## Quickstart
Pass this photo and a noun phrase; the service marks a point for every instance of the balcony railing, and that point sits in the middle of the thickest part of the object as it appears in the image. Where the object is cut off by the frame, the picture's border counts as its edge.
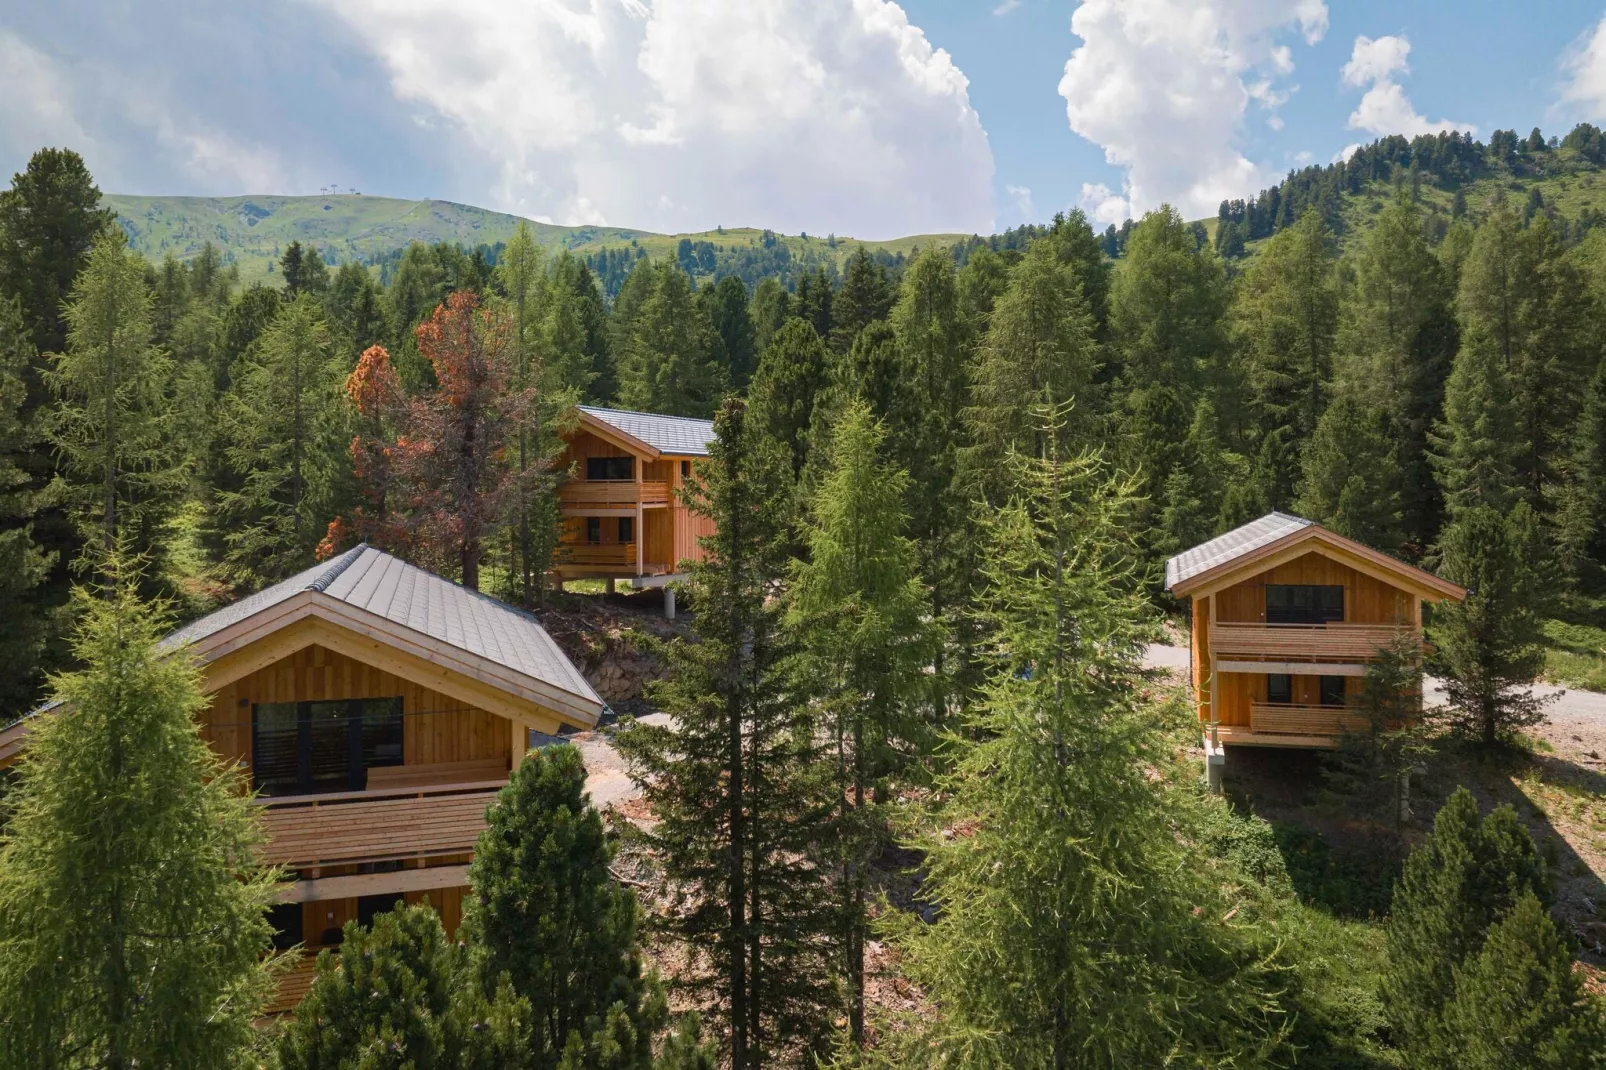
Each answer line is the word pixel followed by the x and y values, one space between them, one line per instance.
pixel 1351 642
pixel 1286 719
pixel 611 493
pixel 306 831
pixel 597 555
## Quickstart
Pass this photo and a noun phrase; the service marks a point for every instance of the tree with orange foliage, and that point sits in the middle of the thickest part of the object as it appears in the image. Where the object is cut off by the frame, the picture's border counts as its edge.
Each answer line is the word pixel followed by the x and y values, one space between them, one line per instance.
pixel 435 473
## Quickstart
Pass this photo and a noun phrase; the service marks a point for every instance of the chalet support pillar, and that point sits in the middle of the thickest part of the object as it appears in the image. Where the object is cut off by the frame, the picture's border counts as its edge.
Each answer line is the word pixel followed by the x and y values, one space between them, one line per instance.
pixel 609 583
pixel 669 602
pixel 521 743
pixel 1215 756
pixel 641 534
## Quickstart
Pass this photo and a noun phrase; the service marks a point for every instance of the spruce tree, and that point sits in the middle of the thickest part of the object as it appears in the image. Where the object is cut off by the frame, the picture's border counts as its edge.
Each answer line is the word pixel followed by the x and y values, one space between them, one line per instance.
pixel 1039 353
pixel 670 363
pixel 133 927
pixel 1476 447
pixel 576 331
pixel 1519 1002
pixel 1071 932
pixel 1581 508
pixel 549 918
pixel 1490 646
pixel 792 373
pixel 119 473
pixel 813 301
pixel 1467 874
pixel 403 995
pixel 771 307
pixel 1351 480
pixel 23 564
pixel 865 298
pixel 737 785
pixel 283 445
pixel 1167 299
pixel 857 606
pixel 726 305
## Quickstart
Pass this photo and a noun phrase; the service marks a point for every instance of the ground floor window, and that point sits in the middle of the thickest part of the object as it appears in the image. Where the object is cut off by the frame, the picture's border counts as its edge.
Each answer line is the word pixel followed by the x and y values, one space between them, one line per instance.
pixel 627 529
pixel 1279 688
pixel 1332 688
pixel 304 748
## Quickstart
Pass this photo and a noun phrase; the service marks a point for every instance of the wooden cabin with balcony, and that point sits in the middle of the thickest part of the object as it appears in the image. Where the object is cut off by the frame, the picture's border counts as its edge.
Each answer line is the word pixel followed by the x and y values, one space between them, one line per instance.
pixel 377 709
pixel 623 517
pixel 1286 615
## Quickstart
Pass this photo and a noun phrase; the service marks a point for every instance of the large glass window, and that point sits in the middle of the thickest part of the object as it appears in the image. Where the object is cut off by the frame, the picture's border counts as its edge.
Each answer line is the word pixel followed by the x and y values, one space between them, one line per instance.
pixel 1332 689
pixel 286 921
pixel 303 748
pixel 610 468
pixel 1289 603
pixel 627 529
pixel 1279 688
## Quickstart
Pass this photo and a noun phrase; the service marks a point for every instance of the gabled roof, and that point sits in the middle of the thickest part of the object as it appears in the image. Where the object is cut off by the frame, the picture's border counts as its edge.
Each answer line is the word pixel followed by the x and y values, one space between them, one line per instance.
pixel 1269 540
pixel 679 436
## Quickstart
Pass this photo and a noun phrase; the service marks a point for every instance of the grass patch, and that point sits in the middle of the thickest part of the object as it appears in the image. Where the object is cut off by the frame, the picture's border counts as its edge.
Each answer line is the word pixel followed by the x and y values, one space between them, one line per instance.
pixel 1575 654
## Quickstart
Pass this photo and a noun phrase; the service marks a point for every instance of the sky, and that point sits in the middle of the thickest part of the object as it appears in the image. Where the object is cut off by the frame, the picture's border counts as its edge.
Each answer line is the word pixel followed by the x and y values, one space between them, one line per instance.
pixel 869 118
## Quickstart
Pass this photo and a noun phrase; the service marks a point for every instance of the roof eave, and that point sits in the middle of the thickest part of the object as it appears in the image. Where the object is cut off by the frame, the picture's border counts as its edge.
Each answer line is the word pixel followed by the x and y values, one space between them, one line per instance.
pixel 623 439
pixel 1418 581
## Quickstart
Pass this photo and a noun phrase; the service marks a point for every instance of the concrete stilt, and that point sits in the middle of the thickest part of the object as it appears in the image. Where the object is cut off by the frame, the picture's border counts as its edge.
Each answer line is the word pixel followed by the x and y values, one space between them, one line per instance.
pixel 609 587
pixel 669 602
pixel 1215 764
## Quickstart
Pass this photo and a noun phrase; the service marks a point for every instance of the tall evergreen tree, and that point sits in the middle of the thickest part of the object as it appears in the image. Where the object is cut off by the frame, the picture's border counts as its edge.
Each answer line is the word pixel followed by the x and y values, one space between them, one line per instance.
pixel 857 607
pixel 791 375
pixel 1581 509
pixel 866 297
pixel 355 312
pixel 1167 299
pixel 1521 1003
pixel 551 920
pixel 670 364
pixel 736 784
pixel 133 923
pixel 1476 448
pixel 1071 934
pixel 23 564
pixel 771 307
pixel 813 301
pixel 577 330
pixel 726 303
pixel 283 445
pixel 1351 479
pixel 403 995
pixel 1490 645
pixel 119 473
pixel 1467 874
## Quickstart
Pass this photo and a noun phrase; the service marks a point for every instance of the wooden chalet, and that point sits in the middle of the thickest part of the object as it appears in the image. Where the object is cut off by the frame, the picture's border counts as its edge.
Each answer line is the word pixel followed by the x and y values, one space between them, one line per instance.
pixel 377 708
pixel 1286 615
pixel 623 517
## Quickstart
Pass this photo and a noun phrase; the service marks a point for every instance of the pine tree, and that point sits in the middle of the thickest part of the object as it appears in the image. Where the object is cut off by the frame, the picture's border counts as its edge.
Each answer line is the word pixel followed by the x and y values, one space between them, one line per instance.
pixel 282 443
pixel 1581 509
pixel 1071 933
pixel 1351 481
pixel 771 308
pixel 1455 885
pixel 1366 776
pixel 1476 447
pixel 133 922
pixel 1520 1003
pixel 670 363
pixel 23 564
pixel 1038 354
pixel 551 920
pixel 726 306
pixel 1490 646
pixel 119 473
pixel 1166 303
pixel 354 310
pixel 791 375
pixel 403 995
pixel 736 785
pixel 813 301
pixel 857 607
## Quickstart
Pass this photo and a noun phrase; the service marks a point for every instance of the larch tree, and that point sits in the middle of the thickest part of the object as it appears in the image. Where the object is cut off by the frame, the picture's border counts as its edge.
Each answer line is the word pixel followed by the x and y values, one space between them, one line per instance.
pixel 1490 646
pixel 282 444
pixel 119 473
pixel 857 607
pixel 1463 878
pixel 376 408
pixel 133 918
pixel 550 920
pixel 736 784
pixel 1071 932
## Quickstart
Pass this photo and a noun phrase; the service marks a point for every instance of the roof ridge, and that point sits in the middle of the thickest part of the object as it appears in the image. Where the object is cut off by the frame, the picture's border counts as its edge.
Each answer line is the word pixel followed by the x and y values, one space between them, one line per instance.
pixel 643 412
pixel 321 582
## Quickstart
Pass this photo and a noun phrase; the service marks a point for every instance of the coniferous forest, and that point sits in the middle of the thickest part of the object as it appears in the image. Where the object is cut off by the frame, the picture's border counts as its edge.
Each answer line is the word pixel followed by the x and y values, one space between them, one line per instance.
pixel 920 800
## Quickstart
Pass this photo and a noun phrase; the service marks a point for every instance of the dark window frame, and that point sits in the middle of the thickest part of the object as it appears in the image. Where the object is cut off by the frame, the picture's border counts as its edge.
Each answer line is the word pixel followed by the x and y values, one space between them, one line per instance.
pixel 1279 682
pixel 627 529
pixel 364 748
pixel 606 469
pixel 1304 603
pixel 1327 686
pixel 594 530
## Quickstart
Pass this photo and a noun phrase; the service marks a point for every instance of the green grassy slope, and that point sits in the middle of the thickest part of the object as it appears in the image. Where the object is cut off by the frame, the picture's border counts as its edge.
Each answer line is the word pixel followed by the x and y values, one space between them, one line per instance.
pixel 253 231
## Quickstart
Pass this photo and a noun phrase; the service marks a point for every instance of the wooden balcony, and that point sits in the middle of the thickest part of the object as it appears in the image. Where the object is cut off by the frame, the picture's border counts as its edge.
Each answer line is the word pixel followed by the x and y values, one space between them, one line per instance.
pixel 1286 719
pixel 594 494
pixel 294 984
pixel 1288 642
pixel 597 555
pixel 308 831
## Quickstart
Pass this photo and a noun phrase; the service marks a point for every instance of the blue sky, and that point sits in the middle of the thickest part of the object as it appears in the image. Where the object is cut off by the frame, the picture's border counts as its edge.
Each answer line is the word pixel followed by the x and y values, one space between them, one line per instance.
pixel 863 117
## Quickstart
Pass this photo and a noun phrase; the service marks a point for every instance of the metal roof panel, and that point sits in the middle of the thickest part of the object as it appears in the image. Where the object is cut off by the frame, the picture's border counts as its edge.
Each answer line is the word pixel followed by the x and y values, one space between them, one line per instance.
pixel 681 436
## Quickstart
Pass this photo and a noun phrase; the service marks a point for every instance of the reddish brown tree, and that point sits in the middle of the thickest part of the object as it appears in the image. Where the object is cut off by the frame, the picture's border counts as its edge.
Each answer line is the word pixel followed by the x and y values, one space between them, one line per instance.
pixel 434 468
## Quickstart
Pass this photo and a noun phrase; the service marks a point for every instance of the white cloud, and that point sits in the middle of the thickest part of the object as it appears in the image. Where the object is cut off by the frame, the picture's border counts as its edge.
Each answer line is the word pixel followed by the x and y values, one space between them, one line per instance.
pixel 1021 198
pixel 1164 87
pixel 1385 109
pixel 817 115
pixel 37 95
pixel 1006 7
pixel 1583 66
